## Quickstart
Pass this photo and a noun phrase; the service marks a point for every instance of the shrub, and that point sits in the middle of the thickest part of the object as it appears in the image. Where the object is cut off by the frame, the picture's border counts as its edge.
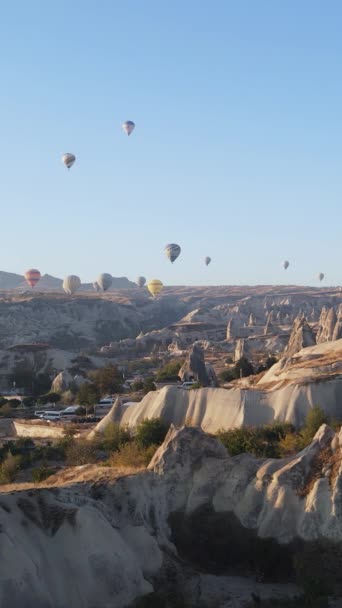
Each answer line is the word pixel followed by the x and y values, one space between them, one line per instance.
pixel 314 419
pixel 149 386
pixel 195 386
pixel 80 451
pixel 138 385
pixel 170 371
pixel 3 401
pixel 150 432
pixel 14 403
pixel 29 401
pixel 49 398
pixel 9 468
pixel 6 411
pixel 132 456
pixel 114 437
pixel 41 473
pixel 227 375
pixel 262 442
pixel 291 444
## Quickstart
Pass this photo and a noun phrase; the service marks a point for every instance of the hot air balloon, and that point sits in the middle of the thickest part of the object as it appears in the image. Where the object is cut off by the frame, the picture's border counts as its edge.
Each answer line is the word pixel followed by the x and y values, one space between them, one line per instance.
pixel 207 260
pixel 68 159
pixel 32 276
pixel 71 284
pixel 104 281
pixel 172 251
pixel 286 264
pixel 155 286
pixel 128 126
pixel 141 281
pixel 321 276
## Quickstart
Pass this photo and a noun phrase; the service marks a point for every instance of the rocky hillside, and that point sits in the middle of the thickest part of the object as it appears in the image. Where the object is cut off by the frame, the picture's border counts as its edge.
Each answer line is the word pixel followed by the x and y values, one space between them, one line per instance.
pixel 286 393
pixel 187 526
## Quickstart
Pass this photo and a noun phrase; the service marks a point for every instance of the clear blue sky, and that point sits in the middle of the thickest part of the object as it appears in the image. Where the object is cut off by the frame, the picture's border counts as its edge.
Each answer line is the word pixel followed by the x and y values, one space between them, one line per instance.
pixel 237 151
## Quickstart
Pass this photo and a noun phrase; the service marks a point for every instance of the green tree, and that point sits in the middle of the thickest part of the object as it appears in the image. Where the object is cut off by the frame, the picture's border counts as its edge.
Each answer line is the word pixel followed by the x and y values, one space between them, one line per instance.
pixel 49 398
pixel 29 401
pixel 169 372
pixel 138 385
pixel 243 368
pixel 149 385
pixel 150 432
pixel 88 395
pixel 108 380
pixel 14 403
pixel 314 419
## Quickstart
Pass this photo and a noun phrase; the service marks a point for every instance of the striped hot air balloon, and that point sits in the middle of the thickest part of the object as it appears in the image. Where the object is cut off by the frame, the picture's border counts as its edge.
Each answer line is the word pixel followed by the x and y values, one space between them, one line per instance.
pixel 155 286
pixel 32 276
pixel 172 251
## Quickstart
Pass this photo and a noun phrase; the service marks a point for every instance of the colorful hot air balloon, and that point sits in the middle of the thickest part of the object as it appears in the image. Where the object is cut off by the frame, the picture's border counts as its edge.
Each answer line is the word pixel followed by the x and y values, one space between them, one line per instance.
pixel 71 284
pixel 32 276
pixel 172 251
pixel 321 276
pixel 155 286
pixel 286 264
pixel 68 159
pixel 141 281
pixel 104 281
pixel 128 126
pixel 207 260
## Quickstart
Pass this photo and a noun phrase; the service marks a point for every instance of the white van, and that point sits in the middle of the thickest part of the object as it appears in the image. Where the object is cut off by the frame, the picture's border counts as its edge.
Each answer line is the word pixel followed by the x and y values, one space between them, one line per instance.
pixel 50 416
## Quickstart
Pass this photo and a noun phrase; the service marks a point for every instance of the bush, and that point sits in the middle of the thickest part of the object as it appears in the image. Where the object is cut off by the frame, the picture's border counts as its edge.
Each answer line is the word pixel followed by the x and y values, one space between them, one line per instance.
pixel 149 386
pixel 150 432
pixel 29 401
pixel 227 375
pixel 13 403
pixel 9 468
pixel 262 442
pixel 131 455
pixel 49 398
pixel 138 385
pixel 80 451
pixel 6 411
pixel 195 386
pixel 314 419
pixel 114 437
pixel 3 401
pixel 169 372
pixel 41 473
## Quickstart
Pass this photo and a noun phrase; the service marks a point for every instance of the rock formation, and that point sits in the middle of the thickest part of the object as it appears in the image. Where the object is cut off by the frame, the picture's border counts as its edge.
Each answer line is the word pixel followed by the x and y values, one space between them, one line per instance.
pixel 121 536
pixel 301 336
pixel 327 322
pixel 194 368
pixel 286 392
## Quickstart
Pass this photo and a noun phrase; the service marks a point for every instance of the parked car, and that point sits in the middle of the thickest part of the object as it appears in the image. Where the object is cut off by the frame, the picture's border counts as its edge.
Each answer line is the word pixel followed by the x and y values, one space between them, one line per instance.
pixel 187 385
pixel 51 416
